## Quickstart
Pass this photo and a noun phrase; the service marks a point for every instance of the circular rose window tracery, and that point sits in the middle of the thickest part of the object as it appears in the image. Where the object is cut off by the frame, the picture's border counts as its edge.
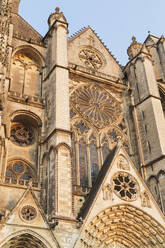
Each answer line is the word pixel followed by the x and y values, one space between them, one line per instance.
pixel 21 134
pixel 91 58
pixel 125 186
pixel 96 105
pixel 28 213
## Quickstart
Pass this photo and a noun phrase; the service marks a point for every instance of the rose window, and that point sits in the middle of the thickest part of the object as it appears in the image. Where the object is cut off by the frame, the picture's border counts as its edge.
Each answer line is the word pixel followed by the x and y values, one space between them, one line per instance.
pixel 21 135
pixel 96 105
pixel 91 58
pixel 28 213
pixel 125 186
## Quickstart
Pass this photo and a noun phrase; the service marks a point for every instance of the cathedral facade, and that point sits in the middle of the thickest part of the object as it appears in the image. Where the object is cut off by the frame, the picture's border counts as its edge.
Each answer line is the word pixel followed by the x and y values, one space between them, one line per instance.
pixel 82 138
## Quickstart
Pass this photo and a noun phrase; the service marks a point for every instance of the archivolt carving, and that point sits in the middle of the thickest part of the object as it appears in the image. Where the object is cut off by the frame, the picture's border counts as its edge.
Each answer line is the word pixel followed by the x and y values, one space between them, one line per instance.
pixel 123 226
pixel 25 240
pixel 96 105
pixel 42 243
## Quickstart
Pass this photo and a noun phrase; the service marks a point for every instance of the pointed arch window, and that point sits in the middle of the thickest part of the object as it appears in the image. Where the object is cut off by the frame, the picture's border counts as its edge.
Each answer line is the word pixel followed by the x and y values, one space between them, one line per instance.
pixel 105 148
pixel 94 168
pixel 83 166
pixel 18 171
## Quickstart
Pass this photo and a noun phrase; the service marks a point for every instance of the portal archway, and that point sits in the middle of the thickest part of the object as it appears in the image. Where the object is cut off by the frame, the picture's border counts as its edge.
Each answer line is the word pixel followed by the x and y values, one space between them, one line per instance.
pixel 24 241
pixel 123 226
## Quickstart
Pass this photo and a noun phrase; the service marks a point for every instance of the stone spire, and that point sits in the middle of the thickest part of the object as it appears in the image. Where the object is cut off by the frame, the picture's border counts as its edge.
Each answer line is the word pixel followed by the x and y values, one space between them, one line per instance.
pixel 134 48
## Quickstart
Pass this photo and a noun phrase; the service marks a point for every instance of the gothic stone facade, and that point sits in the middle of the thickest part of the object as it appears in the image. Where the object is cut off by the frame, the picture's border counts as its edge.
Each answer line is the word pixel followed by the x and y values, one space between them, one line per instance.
pixel 82 139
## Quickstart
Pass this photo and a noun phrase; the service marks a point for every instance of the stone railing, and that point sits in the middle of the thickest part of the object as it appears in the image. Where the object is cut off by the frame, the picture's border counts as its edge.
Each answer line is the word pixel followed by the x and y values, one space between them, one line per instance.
pixel 26 98
pixel 94 73
pixel 21 182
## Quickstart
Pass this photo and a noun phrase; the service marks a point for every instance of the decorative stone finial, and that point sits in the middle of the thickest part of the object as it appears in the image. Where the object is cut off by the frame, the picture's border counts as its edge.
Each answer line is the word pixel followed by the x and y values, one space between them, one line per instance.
pixel 56 16
pixel 134 40
pixel 57 10
pixel 134 48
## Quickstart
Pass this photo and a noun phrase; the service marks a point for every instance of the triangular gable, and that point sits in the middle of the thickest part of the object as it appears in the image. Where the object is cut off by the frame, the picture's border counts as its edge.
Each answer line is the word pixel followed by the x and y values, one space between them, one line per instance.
pixel 28 212
pixel 121 206
pixel 87 39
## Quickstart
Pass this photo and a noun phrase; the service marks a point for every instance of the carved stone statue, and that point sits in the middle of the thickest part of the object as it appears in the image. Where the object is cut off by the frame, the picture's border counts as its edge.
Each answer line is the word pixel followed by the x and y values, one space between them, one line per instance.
pixel 145 200
pixel 123 163
pixel 107 192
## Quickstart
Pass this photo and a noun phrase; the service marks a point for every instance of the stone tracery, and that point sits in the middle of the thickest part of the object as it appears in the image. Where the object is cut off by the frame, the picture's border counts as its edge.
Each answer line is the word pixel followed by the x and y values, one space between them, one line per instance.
pixel 28 213
pixel 18 170
pixel 96 105
pixel 96 118
pixel 21 135
pixel 91 58
pixel 125 186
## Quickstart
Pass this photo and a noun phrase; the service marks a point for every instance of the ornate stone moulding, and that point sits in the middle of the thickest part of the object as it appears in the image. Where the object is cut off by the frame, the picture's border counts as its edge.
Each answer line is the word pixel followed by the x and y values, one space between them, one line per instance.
pixel 91 58
pixel 125 186
pixel 96 105
pixel 123 226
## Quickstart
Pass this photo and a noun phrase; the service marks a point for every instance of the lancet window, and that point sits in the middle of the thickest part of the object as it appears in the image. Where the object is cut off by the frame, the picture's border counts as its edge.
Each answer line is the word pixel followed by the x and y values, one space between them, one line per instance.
pixel 94 167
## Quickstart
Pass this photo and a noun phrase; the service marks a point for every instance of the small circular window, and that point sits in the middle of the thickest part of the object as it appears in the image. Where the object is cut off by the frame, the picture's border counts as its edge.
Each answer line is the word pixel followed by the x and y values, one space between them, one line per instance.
pixel 21 135
pixel 125 186
pixel 28 213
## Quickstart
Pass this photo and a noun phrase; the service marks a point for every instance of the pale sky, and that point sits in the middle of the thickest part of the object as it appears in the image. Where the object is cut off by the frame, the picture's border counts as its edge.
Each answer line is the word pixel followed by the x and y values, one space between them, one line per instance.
pixel 115 21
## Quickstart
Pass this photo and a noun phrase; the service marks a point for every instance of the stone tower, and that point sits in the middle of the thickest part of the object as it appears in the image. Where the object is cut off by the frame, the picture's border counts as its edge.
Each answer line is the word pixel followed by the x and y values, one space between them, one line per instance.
pixel 145 79
pixel 81 138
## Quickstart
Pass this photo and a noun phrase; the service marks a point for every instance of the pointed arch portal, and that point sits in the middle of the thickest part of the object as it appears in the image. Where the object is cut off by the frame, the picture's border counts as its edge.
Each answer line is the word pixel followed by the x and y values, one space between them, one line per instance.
pixel 24 241
pixel 123 226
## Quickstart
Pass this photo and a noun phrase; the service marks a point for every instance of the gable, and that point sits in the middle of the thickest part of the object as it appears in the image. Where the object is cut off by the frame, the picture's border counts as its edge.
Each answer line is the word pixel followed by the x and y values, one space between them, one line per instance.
pixel 122 211
pixel 27 212
pixel 87 45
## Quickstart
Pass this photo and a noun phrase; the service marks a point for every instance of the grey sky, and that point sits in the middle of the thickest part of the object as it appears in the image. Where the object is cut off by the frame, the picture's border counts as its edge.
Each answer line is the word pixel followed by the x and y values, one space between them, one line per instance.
pixel 115 21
